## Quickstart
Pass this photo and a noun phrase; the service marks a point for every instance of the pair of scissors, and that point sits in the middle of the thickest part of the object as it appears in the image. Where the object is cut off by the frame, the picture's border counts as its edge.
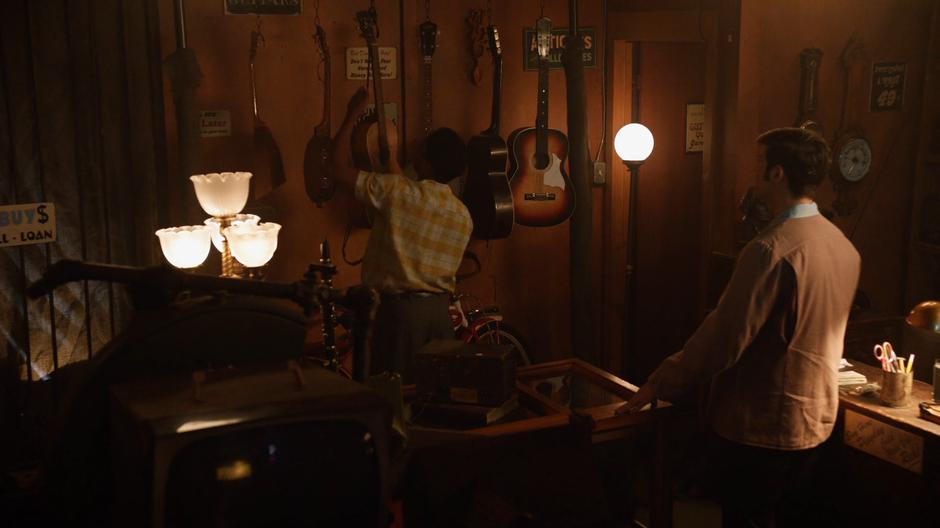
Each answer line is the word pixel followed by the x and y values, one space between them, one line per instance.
pixel 885 354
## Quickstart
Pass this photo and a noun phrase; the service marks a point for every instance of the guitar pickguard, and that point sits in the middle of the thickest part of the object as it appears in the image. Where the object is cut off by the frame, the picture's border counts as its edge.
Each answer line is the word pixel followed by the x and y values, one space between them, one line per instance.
pixel 552 175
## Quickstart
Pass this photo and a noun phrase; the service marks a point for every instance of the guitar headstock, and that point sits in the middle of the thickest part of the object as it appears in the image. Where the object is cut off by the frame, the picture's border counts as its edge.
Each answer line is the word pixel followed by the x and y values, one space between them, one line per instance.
pixel 495 49
pixel 428 38
pixel 543 36
pixel 368 25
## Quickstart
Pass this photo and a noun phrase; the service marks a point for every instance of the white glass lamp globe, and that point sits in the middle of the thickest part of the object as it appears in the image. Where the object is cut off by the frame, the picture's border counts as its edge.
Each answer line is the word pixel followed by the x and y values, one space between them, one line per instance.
pixel 633 143
pixel 222 193
pixel 215 226
pixel 185 247
pixel 252 245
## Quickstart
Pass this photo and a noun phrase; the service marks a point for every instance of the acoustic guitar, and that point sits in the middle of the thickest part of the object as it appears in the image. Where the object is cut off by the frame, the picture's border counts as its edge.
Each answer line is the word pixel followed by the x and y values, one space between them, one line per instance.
pixel 487 194
pixel 318 162
pixel 542 192
pixel 375 138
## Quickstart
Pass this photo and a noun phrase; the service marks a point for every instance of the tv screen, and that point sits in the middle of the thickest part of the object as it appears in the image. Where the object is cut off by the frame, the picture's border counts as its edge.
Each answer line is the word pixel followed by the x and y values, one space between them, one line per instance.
pixel 250 447
pixel 323 473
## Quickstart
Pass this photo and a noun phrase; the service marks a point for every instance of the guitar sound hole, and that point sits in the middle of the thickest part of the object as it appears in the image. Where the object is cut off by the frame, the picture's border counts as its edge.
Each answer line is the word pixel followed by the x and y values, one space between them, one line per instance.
pixel 540 161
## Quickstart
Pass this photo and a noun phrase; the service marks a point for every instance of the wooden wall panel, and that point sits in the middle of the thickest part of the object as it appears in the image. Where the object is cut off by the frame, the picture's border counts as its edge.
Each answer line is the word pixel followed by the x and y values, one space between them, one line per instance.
pixel 526 274
pixel 891 30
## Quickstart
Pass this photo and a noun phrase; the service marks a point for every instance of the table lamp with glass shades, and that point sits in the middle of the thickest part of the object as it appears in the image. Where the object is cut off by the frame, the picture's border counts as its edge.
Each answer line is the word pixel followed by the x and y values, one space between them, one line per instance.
pixel 242 239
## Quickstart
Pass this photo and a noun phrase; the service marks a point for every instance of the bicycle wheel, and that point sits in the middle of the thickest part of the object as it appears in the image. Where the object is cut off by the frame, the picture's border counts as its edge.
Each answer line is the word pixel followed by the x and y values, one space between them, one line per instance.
pixel 498 332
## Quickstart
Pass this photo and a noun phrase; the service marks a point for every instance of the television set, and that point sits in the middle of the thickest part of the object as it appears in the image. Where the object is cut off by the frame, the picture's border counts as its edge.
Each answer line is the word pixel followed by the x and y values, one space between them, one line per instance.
pixel 279 446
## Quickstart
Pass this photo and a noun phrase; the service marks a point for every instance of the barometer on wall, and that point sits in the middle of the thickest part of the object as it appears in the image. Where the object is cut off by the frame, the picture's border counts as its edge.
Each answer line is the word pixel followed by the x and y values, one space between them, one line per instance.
pixel 853 159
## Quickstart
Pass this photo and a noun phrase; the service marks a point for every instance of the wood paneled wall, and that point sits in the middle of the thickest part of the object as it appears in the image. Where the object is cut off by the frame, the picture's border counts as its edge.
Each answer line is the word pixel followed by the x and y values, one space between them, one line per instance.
pixel 81 125
pixel 526 274
pixel 772 34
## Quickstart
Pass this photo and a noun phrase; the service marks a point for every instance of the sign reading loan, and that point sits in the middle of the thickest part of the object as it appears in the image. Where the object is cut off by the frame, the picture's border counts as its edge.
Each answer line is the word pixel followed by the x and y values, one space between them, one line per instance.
pixel 559 35
pixel 887 86
pixel 23 224
pixel 263 7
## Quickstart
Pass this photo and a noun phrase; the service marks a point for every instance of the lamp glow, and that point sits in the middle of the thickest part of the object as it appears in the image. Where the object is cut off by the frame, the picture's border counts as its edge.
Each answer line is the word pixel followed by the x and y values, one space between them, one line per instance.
pixel 633 143
pixel 185 247
pixel 222 194
pixel 215 226
pixel 253 245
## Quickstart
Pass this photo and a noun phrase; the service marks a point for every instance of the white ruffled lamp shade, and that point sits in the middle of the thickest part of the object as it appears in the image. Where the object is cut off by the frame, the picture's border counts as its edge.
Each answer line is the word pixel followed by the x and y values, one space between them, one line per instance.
pixel 222 193
pixel 185 247
pixel 215 227
pixel 634 143
pixel 253 245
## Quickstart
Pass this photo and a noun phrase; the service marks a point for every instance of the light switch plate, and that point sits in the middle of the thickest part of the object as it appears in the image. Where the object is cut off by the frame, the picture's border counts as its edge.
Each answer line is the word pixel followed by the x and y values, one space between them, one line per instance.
pixel 600 173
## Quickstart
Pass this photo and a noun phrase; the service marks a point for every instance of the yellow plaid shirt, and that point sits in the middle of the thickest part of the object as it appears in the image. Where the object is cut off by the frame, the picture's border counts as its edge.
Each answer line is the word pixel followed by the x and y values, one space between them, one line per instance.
pixel 419 233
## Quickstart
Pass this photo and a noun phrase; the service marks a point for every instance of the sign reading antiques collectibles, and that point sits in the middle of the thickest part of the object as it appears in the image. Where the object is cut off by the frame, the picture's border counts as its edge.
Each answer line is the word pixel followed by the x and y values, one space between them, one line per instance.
pixel 357 62
pixel 263 7
pixel 23 224
pixel 530 59
pixel 887 86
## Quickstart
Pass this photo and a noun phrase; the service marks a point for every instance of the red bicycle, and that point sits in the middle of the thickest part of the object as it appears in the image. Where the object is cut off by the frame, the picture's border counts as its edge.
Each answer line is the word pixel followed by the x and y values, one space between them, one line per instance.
pixel 474 323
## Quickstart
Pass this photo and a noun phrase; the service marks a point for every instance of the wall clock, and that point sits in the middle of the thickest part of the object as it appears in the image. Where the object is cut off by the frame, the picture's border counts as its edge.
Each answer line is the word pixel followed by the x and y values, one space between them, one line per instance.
pixel 854 159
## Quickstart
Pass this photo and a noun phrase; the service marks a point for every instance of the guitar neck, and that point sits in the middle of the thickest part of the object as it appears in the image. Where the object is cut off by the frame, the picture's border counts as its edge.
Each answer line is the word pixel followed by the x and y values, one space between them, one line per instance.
pixel 325 126
pixel 494 112
pixel 427 116
pixel 379 104
pixel 541 119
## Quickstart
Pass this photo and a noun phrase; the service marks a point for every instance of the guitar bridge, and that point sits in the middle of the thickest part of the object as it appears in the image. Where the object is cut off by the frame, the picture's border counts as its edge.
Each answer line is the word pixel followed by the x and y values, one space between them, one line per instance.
pixel 539 197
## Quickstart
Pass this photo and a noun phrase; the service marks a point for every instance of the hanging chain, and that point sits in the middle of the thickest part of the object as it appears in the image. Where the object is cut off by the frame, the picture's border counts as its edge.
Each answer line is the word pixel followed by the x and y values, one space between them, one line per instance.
pixel 489 12
pixel 542 4
pixel 316 13
pixel 427 10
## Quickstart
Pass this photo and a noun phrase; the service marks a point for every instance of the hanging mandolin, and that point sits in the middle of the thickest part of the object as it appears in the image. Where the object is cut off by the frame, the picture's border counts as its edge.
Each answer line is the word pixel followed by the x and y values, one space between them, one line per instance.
pixel 541 190
pixel 318 162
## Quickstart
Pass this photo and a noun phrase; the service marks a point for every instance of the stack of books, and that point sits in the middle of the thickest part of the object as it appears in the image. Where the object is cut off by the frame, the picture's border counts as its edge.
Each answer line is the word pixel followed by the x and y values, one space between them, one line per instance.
pixel 850 377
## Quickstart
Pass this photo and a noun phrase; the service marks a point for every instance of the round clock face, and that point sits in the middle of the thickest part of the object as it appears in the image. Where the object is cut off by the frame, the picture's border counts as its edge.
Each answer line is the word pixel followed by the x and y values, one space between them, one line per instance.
pixel 854 159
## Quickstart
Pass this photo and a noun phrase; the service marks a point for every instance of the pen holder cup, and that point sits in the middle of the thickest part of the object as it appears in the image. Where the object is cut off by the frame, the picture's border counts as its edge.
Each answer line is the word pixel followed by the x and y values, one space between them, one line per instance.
pixel 896 388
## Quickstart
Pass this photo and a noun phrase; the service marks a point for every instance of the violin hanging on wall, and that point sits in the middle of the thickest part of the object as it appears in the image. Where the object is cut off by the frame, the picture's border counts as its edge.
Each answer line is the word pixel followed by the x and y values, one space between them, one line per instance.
pixel 487 195
pixel 541 189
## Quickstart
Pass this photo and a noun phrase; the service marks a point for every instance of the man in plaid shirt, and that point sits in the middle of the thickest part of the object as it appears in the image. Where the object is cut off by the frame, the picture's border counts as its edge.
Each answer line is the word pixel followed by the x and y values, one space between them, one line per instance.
pixel 419 233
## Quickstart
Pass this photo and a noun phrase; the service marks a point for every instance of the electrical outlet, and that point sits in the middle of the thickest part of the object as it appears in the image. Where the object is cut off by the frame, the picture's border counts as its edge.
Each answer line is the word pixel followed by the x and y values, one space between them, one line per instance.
pixel 600 173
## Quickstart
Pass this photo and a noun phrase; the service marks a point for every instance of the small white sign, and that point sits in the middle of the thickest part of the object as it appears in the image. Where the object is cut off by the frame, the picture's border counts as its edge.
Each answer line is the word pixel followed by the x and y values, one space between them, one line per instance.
pixel 357 63
pixel 695 127
pixel 884 441
pixel 215 123
pixel 23 224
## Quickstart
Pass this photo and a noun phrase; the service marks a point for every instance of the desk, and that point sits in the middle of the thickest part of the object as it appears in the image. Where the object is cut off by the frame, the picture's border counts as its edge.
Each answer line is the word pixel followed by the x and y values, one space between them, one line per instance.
pixel 578 395
pixel 884 463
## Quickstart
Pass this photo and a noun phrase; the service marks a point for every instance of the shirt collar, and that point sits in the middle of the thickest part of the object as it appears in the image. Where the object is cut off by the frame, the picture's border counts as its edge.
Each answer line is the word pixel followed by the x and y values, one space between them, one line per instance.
pixel 799 211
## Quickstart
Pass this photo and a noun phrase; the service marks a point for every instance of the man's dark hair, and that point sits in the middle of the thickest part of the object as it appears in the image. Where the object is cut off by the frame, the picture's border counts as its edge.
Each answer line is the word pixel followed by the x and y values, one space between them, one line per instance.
pixel 803 154
pixel 446 153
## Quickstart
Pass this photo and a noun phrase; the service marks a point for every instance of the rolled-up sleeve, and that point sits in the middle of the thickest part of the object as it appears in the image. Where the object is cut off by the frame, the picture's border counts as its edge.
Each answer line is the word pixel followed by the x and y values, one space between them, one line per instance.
pixel 729 329
pixel 375 189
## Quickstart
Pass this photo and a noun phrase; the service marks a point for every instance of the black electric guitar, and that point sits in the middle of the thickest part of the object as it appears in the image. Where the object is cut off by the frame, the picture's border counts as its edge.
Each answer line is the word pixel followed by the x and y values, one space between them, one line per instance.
pixel 487 194
pixel 428 45
pixel 318 163
pixel 542 192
